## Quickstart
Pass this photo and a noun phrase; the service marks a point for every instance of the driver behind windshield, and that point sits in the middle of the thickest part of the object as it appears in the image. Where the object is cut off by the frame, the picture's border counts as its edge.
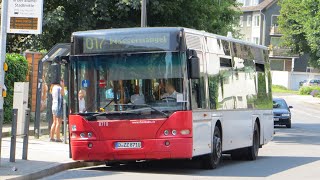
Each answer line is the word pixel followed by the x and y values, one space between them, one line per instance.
pixel 170 92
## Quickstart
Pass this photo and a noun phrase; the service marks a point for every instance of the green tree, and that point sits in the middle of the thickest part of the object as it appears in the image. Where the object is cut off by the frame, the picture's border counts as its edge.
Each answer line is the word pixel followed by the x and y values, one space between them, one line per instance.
pixel 61 18
pixel 299 22
pixel 17 72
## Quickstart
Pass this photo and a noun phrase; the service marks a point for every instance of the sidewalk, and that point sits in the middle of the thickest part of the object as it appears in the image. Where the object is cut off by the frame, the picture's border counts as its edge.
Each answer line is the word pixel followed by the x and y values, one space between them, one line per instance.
pixel 44 158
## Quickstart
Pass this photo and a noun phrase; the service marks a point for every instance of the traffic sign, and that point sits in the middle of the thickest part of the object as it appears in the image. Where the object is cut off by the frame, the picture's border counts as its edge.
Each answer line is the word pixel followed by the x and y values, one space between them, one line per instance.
pixel 85 83
pixel 102 83
pixel 25 16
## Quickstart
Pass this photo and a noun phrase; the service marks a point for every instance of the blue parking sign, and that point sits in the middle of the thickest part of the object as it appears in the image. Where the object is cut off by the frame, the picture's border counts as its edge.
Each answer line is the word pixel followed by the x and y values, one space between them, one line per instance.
pixel 85 83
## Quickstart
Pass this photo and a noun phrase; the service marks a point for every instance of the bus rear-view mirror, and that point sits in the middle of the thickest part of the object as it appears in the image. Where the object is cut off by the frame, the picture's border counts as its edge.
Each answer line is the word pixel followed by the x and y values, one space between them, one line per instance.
pixel 193 65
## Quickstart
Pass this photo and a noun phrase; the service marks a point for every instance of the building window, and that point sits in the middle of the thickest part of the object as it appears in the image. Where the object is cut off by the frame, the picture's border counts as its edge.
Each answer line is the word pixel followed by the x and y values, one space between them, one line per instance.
pixel 274 20
pixel 249 21
pixel 247 3
pixel 275 41
pixel 255 2
pixel 256 20
pixel 241 2
pixel 277 65
pixel 256 40
pixel 241 21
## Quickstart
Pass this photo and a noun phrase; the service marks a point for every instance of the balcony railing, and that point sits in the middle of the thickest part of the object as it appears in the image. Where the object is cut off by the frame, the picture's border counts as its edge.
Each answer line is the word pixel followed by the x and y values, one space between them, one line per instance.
pixel 282 52
pixel 275 30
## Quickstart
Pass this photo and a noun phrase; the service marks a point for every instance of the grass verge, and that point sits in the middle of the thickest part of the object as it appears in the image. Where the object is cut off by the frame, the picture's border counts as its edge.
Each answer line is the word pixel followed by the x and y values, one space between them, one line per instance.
pixel 282 89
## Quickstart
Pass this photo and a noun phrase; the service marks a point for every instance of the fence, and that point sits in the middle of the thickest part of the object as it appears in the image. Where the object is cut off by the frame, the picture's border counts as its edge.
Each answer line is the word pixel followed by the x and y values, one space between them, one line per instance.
pixel 291 80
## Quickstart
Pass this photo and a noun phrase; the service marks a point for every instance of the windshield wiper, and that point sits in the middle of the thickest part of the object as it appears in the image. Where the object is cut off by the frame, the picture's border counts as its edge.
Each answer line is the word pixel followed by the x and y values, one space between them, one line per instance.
pixel 108 104
pixel 127 112
pixel 113 112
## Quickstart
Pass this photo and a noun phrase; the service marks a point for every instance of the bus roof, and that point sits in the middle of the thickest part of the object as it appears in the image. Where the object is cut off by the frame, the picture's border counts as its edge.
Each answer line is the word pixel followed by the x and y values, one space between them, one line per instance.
pixel 126 30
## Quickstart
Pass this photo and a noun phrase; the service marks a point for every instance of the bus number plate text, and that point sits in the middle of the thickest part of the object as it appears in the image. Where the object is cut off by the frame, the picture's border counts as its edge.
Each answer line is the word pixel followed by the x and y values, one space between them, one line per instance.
pixel 128 145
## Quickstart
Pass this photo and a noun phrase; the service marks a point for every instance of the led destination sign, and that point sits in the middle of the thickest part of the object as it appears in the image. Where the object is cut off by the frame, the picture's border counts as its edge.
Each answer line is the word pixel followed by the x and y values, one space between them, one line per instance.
pixel 93 44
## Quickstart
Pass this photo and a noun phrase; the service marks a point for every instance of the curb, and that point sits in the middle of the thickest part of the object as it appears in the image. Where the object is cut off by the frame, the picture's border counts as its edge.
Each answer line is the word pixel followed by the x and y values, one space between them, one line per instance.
pixel 56 169
pixel 31 133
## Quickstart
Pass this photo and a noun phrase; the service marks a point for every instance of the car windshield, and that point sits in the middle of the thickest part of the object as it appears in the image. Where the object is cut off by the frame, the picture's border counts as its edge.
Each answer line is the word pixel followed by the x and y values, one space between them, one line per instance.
pixel 114 83
pixel 279 104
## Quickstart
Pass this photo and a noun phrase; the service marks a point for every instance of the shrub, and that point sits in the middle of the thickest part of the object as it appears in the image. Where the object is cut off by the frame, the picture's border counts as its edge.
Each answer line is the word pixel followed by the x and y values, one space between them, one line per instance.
pixel 279 87
pixel 306 90
pixel 17 72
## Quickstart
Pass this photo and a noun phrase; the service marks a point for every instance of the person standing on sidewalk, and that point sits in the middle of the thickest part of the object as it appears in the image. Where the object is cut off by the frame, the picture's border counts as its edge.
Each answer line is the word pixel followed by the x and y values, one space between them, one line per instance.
pixel 57 91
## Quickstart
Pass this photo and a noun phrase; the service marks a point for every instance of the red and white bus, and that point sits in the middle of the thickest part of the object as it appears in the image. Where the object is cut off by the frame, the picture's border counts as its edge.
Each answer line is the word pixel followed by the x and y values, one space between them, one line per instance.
pixel 167 93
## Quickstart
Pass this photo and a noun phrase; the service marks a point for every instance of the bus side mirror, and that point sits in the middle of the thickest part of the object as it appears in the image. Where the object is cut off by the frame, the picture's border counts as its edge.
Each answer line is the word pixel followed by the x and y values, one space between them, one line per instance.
pixel 193 65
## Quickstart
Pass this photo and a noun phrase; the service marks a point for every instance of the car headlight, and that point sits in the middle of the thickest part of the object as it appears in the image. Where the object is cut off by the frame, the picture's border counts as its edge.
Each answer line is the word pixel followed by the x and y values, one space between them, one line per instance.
pixel 285 115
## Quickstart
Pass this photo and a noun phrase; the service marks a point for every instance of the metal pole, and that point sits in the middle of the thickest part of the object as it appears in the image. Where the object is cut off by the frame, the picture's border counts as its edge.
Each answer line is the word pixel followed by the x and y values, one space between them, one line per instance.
pixel 144 13
pixel 64 121
pixel 38 101
pixel 26 135
pixel 3 36
pixel 13 135
pixel 4 17
pixel 1 123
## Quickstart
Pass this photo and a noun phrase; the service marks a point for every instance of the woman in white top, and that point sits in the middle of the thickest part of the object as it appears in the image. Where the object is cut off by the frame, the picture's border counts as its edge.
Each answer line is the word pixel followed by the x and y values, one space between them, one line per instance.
pixel 57 91
pixel 82 102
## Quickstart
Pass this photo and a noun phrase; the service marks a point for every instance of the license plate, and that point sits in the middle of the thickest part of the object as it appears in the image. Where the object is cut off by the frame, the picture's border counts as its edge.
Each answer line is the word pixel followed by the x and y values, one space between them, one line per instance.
pixel 276 119
pixel 128 145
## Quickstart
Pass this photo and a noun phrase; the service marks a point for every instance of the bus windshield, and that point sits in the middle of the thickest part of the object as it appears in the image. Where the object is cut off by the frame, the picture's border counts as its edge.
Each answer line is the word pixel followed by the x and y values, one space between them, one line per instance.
pixel 146 82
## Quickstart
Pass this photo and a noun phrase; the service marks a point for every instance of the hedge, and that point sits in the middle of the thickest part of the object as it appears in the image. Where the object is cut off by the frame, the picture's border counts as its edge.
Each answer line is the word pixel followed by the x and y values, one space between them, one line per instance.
pixel 306 90
pixel 17 72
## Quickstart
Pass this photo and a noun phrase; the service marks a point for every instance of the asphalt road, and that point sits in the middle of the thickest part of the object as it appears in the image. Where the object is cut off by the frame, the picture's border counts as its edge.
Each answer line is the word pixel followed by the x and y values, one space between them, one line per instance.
pixel 293 154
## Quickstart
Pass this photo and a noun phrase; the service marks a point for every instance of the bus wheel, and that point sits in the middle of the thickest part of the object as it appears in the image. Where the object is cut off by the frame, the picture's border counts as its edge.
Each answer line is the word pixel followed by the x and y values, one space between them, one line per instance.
pixel 252 151
pixel 211 161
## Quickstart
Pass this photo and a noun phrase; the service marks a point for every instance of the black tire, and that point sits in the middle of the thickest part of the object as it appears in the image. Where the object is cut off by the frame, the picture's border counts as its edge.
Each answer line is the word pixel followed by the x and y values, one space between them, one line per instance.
pixel 289 124
pixel 252 151
pixel 211 161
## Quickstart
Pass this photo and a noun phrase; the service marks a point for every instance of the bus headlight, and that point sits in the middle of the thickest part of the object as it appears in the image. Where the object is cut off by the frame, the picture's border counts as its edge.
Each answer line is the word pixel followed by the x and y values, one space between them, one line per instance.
pixel 185 132
pixel 89 134
pixel 73 127
pixel 166 132
pixel 174 132
pixel 82 135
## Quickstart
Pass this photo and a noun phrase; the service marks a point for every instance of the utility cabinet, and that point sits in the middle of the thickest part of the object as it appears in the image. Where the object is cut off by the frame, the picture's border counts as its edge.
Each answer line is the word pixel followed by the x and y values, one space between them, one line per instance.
pixel 20 102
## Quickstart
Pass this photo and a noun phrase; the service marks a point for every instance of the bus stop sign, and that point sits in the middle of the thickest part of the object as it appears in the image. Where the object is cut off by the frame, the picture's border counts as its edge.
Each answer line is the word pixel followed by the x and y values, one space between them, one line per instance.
pixel 85 83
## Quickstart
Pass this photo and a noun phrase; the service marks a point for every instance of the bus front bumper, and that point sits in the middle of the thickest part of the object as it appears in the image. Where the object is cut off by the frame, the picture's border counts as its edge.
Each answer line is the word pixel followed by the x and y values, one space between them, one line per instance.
pixel 174 148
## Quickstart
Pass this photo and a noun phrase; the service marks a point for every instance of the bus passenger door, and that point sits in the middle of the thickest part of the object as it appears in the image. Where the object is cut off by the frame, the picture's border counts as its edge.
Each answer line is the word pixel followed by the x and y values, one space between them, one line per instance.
pixel 202 132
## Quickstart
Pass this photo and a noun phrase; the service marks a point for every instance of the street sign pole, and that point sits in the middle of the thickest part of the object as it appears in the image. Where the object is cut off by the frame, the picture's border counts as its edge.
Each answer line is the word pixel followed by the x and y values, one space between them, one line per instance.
pixel 3 36
pixel 4 19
